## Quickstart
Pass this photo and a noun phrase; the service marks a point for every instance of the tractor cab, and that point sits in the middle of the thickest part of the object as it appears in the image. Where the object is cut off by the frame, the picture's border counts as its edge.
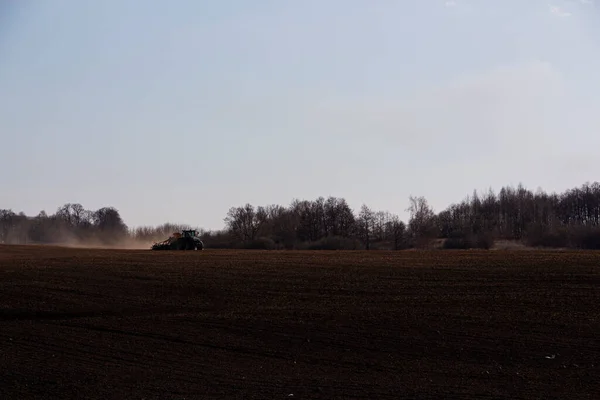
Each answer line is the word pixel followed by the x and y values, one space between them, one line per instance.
pixel 190 233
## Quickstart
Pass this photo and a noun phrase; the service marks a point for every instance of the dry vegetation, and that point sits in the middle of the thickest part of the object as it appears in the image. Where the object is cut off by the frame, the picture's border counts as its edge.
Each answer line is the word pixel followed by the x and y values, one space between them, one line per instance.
pixel 91 323
pixel 516 216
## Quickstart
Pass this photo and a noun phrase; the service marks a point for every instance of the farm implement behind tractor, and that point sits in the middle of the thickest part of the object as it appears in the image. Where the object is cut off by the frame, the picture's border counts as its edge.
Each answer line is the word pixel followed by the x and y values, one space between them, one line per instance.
pixel 186 240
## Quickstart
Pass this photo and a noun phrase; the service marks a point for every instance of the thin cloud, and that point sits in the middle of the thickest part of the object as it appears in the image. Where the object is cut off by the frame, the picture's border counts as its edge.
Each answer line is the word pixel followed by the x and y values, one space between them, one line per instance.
pixel 559 12
pixel 458 6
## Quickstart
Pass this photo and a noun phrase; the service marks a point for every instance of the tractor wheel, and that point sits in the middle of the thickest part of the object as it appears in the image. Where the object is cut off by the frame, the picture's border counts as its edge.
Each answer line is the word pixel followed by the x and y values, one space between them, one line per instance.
pixel 184 244
pixel 190 244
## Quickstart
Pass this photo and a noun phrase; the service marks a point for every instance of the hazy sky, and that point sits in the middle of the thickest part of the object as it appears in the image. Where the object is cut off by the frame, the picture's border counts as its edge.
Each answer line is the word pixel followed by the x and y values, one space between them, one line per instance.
pixel 176 111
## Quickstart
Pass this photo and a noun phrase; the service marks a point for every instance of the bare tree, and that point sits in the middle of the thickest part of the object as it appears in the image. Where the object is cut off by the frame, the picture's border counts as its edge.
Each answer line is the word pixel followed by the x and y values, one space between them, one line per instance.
pixel 366 220
pixel 244 222
pixel 398 232
pixel 422 221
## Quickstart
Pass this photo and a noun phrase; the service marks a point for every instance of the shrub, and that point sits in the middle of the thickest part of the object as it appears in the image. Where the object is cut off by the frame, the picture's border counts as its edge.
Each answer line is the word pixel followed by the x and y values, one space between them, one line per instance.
pixel 549 239
pixel 262 243
pixel 587 238
pixel 333 243
pixel 461 241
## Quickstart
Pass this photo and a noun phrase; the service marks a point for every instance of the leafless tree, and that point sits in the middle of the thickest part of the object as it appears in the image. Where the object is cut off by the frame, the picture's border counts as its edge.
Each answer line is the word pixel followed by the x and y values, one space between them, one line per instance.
pixel 245 221
pixel 366 222
pixel 422 224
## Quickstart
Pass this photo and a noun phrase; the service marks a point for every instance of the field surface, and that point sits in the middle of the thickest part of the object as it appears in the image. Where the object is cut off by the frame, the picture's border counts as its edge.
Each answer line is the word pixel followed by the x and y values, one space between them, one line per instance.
pixel 87 324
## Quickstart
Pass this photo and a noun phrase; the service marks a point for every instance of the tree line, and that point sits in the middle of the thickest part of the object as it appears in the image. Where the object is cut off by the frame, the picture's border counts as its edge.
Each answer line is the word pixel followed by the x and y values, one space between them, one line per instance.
pixel 567 220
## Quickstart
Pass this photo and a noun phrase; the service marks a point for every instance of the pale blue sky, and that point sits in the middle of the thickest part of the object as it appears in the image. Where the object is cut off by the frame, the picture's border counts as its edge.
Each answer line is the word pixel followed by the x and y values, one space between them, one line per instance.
pixel 176 111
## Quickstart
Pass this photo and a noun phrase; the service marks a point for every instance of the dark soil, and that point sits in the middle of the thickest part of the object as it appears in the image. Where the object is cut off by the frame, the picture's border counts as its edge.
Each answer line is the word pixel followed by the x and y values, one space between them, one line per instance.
pixel 77 323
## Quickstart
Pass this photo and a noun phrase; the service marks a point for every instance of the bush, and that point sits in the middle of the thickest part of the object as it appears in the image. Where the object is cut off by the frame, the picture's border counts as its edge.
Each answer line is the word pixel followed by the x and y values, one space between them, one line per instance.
pixel 332 243
pixel 483 241
pixel 556 239
pixel 455 243
pixel 539 235
pixel 218 240
pixel 587 238
pixel 262 243
pixel 577 237
pixel 460 241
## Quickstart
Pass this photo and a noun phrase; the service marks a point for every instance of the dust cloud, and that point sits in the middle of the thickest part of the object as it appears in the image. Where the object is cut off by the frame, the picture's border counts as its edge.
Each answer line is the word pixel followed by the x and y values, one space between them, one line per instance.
pixel 124 244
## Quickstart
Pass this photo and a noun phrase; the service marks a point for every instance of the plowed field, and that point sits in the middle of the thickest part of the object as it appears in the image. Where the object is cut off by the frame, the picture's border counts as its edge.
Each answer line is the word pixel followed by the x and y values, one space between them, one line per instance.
pixel 83 324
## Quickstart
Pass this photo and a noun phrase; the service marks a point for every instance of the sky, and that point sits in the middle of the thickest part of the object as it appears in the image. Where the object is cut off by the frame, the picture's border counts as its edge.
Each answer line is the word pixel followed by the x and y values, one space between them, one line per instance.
pixel 177 111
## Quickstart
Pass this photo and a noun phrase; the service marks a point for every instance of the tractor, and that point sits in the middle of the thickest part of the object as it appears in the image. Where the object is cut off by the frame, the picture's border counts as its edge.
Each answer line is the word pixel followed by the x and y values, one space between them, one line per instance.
pixel 186 240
